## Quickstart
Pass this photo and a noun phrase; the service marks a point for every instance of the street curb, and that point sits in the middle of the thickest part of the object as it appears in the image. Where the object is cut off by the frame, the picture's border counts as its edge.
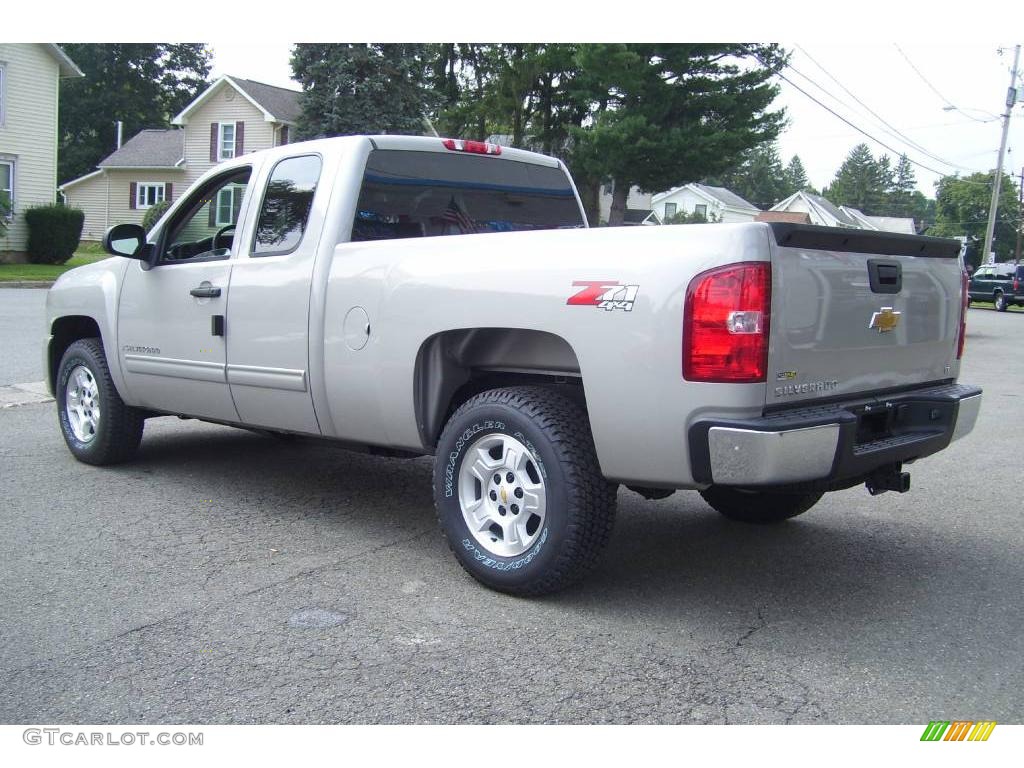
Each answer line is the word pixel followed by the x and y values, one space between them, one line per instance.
pixel 26 283
pixel 30 393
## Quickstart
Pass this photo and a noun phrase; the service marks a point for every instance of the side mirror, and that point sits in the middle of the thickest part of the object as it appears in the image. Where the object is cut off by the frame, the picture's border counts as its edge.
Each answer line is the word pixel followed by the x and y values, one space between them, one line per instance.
pixel 126 240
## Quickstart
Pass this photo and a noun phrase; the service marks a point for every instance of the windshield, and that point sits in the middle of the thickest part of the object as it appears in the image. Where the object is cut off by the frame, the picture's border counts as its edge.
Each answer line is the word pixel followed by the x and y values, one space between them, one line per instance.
pixel 426 194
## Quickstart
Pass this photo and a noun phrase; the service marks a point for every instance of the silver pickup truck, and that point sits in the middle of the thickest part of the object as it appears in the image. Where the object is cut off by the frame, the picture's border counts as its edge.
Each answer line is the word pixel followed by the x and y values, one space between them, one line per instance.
pixel 310 289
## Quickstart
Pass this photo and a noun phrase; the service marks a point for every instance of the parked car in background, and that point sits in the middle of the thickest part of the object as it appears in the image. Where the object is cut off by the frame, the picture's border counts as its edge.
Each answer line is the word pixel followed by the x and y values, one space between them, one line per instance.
pixel 1002 284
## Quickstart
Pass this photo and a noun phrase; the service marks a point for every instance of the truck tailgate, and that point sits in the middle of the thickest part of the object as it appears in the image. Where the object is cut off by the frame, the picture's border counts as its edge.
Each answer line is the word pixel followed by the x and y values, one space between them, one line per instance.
pixel 856 311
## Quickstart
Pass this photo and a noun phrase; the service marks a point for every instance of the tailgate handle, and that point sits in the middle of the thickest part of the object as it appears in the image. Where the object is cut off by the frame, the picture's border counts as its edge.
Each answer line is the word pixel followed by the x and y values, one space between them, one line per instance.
pixel 885 276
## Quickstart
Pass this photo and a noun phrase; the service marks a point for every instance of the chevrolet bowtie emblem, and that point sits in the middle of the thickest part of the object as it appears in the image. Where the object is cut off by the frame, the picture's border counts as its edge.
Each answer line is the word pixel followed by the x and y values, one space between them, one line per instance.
pixel 885 319
pixel 504 495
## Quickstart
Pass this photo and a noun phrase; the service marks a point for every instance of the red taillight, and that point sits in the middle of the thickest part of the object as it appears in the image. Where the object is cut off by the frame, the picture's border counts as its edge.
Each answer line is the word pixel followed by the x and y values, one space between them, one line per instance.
pixel 964 282
pixel 725 324
pixel 476 147
pixel 1016 284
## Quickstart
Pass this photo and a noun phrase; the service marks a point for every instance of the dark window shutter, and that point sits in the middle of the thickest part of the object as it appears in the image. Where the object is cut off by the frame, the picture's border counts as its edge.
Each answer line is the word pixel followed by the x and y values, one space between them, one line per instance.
pixel 214 135
pixel 168 191
pixel 284 135
pixel 213 210
pixel 133 193
pixel 239 138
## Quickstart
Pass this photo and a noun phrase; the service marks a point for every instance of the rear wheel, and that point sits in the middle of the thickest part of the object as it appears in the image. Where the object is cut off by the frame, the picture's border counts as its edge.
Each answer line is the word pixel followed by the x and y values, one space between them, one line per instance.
pixel 96 424
pixel 1000 301
pixel 758 506
pixel 519 493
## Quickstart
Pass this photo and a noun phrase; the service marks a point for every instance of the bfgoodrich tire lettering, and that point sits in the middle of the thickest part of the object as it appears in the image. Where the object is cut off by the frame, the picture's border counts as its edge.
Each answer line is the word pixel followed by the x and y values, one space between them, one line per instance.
pixel 758 506
pixel 578 503
pixel 96 424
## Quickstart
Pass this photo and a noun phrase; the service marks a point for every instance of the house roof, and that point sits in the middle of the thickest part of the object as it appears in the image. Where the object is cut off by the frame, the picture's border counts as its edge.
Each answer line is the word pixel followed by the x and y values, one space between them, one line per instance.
pixel 278 105
pixel 857 215
pixel 727 197
pixel 80 179
pixel 893 224
pixel 150 148
pixel 724 196
pixel 639 216
pixel 832 209
pixel 68 68
pixel 282 103
pixel 826 210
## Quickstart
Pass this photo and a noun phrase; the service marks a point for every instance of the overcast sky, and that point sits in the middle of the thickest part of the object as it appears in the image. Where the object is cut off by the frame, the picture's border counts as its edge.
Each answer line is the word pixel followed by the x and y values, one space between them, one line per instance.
pixel 953 46
pixel 972 77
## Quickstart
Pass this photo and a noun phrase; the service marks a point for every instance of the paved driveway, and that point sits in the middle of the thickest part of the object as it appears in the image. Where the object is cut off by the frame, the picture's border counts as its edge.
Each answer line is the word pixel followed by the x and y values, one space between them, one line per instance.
pixel 228 577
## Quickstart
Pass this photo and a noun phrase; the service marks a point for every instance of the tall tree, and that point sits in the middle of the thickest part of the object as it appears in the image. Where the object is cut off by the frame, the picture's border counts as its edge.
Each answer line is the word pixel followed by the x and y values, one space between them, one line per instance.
pixel 795 177
pixel 862 182
pixel 962 209
pixel 672 112
pixel 533 94
pixel 142 84
pixel 901 194
pixel 363 87
pixel 759 178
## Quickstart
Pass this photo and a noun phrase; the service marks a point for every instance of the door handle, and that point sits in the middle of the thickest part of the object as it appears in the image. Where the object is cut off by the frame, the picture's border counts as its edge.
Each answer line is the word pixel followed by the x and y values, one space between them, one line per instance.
pixel 205 292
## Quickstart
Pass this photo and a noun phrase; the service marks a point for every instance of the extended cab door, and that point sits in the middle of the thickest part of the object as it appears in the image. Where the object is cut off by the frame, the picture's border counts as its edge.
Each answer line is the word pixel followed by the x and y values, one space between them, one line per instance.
pixel 268 316
pixel 170 317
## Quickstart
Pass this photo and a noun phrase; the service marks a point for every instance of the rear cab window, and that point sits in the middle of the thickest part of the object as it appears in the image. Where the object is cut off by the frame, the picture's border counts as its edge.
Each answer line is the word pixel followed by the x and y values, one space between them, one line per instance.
pixel 284 213
pixel 426 194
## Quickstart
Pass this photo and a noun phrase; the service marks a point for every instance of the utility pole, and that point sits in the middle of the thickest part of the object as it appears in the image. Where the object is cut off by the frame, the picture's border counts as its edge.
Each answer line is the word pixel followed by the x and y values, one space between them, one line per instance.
pixel 1011 99
pixel 1020 218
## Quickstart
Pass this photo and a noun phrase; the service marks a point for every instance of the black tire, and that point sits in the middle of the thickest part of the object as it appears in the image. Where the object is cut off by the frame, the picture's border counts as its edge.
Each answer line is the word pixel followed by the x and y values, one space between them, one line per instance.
pixel 762 507
pixel 1000 301
pixel 118 432
pixel 580 502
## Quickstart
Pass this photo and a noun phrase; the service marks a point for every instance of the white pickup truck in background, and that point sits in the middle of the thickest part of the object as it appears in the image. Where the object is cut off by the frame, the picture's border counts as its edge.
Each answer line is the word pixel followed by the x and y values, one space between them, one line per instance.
pixel 310 289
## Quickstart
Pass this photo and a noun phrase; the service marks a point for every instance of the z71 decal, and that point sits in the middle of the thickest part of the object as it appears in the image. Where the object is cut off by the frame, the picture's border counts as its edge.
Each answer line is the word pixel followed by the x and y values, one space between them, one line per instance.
pixel 604 294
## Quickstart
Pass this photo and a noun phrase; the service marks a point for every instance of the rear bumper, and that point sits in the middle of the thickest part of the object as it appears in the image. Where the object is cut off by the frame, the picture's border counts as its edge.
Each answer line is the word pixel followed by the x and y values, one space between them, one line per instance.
pixel 834 445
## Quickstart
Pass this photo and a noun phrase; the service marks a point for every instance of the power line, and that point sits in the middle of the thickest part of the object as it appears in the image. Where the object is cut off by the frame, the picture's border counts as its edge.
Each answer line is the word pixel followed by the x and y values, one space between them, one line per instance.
pixel 934 90
pixel 894 132
pixel 857 128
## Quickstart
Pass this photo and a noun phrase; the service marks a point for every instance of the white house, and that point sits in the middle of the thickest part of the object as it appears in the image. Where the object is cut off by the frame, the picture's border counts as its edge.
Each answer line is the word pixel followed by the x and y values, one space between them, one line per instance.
pixel 825 213
pixel 714 203
pixel 231 117
pixel 29 87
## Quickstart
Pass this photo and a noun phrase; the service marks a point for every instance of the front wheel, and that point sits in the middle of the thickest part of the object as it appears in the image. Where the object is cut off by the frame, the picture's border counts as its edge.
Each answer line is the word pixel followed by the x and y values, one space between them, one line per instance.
pixel 519 493
pixel 1000 302
pixel 762 507
pixel 96 424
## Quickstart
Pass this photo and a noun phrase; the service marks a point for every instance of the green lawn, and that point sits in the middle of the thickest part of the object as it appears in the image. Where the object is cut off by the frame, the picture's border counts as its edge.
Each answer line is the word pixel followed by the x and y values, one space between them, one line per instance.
pixel 86 254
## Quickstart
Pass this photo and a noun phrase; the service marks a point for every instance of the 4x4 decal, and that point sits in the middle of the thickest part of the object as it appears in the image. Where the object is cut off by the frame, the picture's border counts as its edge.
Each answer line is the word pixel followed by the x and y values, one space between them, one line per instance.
pixel 604 294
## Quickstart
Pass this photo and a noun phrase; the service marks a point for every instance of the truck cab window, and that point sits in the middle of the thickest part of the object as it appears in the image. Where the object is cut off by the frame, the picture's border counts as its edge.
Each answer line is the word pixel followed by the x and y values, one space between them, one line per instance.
pixel 204 228
pixel 286 205
pixel 424 194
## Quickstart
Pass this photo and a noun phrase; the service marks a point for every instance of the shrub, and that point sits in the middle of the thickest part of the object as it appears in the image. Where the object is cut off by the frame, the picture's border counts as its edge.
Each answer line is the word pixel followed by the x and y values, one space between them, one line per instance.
pixel 5 216
pixel 154 213
pixel 682 217
pixel 54 232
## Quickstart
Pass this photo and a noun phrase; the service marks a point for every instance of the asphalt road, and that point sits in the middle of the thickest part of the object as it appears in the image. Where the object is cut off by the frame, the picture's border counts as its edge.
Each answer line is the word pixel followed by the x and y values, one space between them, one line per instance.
pixel 22 332
pixel 225 577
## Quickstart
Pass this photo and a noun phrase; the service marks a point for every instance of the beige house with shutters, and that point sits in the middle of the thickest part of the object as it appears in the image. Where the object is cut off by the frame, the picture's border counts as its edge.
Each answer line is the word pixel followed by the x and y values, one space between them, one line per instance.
pixel 230 118
pixel 30 75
